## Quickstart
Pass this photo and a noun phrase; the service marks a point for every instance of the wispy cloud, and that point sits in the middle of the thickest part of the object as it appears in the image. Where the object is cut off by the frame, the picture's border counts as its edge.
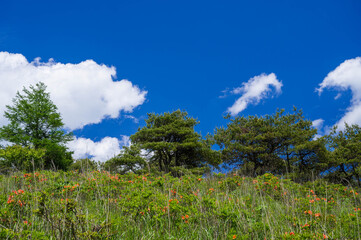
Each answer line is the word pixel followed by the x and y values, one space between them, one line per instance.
pixel 318 124
pixel 135 120
pixel 84 93
pixel 346 76
pixel 254 90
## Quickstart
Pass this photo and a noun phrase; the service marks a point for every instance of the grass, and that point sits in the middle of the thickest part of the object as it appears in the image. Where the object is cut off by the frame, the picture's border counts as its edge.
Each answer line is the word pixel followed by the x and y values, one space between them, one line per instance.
pixel 99 205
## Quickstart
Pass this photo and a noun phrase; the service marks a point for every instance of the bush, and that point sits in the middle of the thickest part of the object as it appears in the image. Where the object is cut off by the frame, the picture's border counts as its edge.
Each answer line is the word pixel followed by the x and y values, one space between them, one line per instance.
pixel 21 158
pixel 57 157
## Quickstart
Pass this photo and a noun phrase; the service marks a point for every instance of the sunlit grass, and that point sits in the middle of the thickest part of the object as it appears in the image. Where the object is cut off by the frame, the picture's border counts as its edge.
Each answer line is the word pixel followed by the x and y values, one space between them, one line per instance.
pixel 99 205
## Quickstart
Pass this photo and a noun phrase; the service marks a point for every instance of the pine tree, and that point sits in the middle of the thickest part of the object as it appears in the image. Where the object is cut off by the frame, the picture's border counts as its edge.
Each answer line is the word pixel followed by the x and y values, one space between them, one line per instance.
pixel 174 143
pixel 278 143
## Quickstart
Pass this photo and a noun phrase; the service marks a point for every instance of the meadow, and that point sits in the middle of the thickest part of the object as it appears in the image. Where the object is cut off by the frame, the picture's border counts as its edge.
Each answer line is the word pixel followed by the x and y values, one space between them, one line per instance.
pixel 100 205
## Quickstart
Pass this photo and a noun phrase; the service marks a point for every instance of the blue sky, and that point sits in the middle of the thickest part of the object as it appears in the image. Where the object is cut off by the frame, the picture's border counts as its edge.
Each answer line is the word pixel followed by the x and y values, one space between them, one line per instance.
pixel 198 56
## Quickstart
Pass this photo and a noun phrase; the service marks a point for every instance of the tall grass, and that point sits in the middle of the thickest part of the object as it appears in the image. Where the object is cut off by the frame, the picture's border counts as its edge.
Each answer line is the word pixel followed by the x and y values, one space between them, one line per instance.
pixel 99 205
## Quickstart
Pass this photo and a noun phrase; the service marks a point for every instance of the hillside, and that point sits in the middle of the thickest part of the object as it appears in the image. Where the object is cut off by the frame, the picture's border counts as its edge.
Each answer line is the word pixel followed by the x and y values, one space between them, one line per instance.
pixel 99 205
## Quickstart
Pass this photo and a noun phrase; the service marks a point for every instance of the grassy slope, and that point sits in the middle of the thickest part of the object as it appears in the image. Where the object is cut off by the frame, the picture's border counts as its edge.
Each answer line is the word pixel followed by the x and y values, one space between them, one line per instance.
pixel 94 205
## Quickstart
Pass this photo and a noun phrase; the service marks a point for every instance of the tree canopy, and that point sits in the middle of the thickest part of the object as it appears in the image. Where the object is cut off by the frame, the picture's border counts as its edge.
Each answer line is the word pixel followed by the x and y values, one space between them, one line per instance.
pixel 345 154
pixel 276 143
pixel 35 122
pixel 284 144
pixel 174 143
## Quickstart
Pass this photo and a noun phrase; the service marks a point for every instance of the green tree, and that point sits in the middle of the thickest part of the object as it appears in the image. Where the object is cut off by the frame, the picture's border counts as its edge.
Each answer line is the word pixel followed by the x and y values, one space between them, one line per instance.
pixel 345 154
pixel 174 143
pixel 303 155
pixel 34 122
pixel 275 143
pixel 129 160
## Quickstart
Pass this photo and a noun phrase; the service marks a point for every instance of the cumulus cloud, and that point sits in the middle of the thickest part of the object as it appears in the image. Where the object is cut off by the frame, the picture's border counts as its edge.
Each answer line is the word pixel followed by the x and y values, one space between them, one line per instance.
pixel 85 93
pixel 99 151
pixel 257 88
pixel 346 76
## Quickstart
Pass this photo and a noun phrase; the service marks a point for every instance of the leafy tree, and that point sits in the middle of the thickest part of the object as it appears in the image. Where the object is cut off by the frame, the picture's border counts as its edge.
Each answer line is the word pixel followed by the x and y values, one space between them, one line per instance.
pixel 174 143
pixel 20 158
pixel 57 156
pixel 34 122
pixel 345 156
pixel 129 160
pixel 274 143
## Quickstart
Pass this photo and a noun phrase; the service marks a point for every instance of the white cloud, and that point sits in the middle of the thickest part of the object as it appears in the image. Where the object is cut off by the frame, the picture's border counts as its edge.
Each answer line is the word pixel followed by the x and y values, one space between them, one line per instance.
pixel 84 93
pixel 4 143
pixel 346 76
pixel 99 151
pixel 253 91
pixel 135 120
pixel 318 123
pixel 102 150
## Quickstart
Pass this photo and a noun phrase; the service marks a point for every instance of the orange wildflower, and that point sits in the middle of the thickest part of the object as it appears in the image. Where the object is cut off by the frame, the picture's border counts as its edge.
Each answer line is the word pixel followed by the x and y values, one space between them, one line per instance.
pixel 306 225
pixel 26 222
pixel 308 212
pixel 10 200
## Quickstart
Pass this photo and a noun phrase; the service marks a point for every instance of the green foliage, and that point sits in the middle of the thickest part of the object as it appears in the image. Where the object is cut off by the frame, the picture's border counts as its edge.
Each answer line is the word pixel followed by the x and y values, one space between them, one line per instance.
pixel 345 155
pixel 68 220
pixel 18 158
pixel 101 205
pixel 129 160
pixel 279 143
pixel 34 122
pixel 57 156
pixel 174 143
